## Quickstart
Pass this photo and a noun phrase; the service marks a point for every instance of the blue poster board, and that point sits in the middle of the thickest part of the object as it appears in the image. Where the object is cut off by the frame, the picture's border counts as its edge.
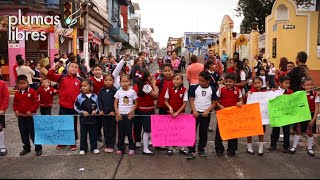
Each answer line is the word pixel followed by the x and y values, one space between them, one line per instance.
pixel 53 130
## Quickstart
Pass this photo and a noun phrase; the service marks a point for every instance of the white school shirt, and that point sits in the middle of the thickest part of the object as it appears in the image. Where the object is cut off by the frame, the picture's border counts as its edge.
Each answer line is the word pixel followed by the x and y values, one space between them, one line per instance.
pixel 126 100
pixel 203 97
pixel 264 82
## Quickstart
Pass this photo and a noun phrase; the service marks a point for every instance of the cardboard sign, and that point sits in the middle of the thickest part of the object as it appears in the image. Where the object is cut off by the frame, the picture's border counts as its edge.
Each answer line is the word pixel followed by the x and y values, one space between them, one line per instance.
pixel 289 109
pixel 263 98
pixel 169 131
pixel 237 122
pixel 53 130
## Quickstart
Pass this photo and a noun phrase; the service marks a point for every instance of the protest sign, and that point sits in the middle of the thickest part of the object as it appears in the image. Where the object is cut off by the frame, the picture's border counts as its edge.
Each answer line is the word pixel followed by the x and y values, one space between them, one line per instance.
pixel 289 109
pixel 263 98
pixel 169 131
pixel 52 130
pixel 237 122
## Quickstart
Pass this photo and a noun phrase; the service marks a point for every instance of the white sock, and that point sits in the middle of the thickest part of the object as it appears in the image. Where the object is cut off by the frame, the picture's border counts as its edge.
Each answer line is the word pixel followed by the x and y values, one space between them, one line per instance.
pixel 249 146
pixel 146 142
pixel 260 147
pixel 310 142
pixel 295 141
pixel 2 140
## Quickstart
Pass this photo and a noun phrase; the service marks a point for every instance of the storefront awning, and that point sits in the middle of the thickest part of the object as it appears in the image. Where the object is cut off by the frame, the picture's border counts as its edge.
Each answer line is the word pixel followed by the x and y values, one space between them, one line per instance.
pixel 92 37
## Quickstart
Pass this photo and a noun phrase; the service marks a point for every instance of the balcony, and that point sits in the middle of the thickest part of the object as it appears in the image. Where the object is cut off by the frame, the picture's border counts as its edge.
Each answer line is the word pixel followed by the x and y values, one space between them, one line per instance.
pixel 119 34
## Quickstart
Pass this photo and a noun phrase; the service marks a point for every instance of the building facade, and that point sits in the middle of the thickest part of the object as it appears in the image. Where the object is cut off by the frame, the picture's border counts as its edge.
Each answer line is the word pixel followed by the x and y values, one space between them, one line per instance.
pixel 291 29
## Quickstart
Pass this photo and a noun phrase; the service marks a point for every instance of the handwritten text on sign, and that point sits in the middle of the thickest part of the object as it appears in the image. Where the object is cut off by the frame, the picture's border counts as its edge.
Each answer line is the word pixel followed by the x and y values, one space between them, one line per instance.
pixel 289 109
pixel 262 98
pixel 240 122
pixel 52 130
pixel 169 131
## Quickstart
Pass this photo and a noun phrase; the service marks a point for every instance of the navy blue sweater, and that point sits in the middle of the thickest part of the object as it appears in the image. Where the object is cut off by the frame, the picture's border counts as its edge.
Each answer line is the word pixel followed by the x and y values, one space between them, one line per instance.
pixel 106 100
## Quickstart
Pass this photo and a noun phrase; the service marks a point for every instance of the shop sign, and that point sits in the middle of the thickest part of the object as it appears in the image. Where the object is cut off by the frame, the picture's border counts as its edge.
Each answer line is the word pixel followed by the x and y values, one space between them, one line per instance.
pixel 289 26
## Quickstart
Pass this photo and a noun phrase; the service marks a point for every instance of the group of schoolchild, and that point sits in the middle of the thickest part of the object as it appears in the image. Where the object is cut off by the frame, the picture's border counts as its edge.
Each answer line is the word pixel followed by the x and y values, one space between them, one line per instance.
pixel 108 102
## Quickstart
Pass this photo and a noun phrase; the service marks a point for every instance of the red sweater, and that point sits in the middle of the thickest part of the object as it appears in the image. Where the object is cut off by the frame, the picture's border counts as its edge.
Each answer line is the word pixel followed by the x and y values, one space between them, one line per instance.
pixel 69 88
pixel 97 85
pixel 229 97
pixel 146 103
pixel 27 101
pixel 311 100
pixel 4 96
pixel 46 97
pixel 165 86
pixel 176 98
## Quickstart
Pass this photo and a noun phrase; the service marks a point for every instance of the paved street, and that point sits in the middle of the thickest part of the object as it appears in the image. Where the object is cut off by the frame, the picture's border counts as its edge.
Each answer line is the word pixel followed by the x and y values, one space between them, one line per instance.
pixel 66 164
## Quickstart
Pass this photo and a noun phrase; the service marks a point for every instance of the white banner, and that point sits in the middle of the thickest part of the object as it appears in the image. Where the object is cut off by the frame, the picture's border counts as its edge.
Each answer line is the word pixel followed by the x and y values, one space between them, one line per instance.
pixel 262 98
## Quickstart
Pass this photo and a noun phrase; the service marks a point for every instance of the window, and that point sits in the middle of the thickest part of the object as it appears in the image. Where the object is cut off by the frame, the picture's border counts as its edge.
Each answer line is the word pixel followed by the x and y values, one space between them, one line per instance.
pixel 274 47
pixel 282 13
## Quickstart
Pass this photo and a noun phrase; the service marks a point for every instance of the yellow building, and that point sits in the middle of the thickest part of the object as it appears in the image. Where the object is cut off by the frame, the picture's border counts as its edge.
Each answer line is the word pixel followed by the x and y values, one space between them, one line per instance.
pixel 289 30
pixel 226 37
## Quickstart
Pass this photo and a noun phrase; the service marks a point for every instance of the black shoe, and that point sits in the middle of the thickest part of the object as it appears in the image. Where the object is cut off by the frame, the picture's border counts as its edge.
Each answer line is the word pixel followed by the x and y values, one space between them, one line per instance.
pixel 24 152
pixel 202 154
pixel 191 155
pixel 210 129
pixel 219 153
pixel 4 153
pixel 285 150
pixel 170 152
pixel 272 148
pixel 260 154
pixel 230 154
pixel 149 154
pixel 39 153
pixel 184 152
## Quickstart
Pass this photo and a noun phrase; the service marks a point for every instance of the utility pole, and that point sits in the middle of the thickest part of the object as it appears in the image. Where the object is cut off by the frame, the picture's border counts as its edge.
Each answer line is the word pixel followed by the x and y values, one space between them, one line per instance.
pixel 86 35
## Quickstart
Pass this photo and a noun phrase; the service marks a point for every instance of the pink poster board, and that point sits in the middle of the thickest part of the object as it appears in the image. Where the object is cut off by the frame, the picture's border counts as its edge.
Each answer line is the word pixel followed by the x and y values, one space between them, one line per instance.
pixel 169 131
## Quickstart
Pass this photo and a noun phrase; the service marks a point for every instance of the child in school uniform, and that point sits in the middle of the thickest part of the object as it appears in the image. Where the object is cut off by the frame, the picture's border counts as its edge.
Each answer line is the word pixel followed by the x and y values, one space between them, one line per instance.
pixel 163 83
pixel 125 104
pixel 229 96
pixel 4 104
pixel 176 101
pixel 46 93
pixel 25 104
pixel 203 100
pixel 284 82
pixel 86 105
pixel 69 85
pixel 147 93
pixel 98 83
pixel 107 112
pixel 308 126
pixel 257 87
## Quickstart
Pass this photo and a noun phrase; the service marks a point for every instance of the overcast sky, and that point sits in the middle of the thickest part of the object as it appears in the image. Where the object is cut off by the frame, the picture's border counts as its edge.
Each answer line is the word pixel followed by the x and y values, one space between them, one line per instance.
pixel 171 18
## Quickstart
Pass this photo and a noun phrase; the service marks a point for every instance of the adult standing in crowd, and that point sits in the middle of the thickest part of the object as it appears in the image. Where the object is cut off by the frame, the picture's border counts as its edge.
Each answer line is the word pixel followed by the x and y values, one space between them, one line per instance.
pixel 224 59
pixel 299 72
pixel 25 70
pixel 193 72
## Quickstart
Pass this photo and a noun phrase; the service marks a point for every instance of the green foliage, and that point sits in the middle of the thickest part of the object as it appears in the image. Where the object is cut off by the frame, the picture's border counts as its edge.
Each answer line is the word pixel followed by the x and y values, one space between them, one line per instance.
pixel 257 10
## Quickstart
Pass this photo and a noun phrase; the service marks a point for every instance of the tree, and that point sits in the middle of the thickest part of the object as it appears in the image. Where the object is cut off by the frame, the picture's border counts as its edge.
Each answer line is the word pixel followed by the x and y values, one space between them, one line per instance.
pixel 257 10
